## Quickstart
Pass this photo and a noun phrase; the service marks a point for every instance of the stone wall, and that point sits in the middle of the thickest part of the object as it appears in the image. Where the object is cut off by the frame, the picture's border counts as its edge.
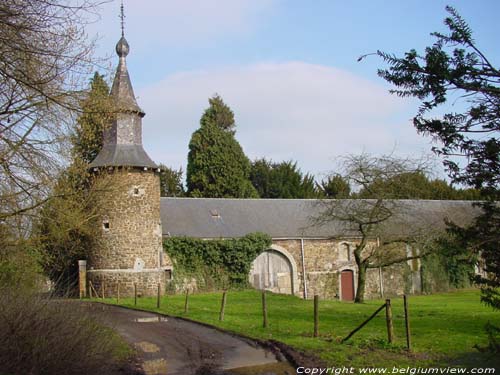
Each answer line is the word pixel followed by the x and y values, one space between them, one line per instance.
pixel 123 280
pixel 129 237
pixel 326 258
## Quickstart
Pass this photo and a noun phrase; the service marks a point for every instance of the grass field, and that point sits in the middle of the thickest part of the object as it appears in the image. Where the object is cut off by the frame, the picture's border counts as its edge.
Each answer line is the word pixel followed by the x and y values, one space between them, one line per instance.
pixel 445 327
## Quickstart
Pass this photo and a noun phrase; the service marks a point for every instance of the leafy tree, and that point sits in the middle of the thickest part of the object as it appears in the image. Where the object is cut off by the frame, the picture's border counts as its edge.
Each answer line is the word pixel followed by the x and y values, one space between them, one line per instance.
pixel 416 185
pixel 334 187
pixel 217 166
pixel 281 180
pixel 455 69
pixel 66 230
pixel 66 226
pixel 368 218
pixel 171 182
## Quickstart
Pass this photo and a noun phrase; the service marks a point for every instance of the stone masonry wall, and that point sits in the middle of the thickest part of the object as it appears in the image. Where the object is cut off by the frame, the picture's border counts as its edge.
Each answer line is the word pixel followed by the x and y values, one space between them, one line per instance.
pixel 111 281
pixel 326 258
pixel 129 237
pixel 130 221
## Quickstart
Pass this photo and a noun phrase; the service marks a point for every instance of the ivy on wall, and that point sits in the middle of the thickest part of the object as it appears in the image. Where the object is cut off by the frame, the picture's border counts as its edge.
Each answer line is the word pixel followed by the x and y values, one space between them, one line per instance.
pixel 441 272
pixel 215 264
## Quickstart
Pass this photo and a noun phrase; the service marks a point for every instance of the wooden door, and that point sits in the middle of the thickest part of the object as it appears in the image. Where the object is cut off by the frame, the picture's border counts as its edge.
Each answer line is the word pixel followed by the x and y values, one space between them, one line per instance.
pixel 272 271
pixel 347 285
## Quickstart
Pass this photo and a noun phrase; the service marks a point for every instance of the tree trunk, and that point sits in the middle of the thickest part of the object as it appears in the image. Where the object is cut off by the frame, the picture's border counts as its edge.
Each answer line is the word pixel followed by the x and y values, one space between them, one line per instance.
pixel 360 292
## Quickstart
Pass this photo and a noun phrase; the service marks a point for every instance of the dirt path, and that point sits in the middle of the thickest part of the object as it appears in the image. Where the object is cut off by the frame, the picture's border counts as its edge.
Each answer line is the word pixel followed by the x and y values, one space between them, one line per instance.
pixel 177 347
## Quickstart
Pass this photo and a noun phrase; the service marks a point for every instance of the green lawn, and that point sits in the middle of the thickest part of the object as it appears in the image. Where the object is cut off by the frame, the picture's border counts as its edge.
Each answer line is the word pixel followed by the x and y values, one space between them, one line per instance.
pixel 445 327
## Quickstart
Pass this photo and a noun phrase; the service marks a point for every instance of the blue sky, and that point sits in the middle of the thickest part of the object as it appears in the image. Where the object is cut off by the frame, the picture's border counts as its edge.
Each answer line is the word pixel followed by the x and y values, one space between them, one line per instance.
pixel 288 69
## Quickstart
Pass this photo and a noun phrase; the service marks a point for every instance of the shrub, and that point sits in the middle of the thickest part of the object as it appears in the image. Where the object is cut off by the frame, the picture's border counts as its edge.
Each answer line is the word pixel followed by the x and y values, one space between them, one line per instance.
pixel 44 336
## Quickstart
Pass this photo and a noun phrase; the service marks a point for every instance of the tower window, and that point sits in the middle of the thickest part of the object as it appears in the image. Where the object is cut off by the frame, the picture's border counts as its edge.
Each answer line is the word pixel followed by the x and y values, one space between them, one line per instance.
pixel 136 191
pixel 105 225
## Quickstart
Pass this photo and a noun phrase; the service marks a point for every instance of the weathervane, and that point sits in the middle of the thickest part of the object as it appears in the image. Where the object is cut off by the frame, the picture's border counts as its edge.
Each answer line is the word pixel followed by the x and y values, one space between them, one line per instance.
pixel 122 18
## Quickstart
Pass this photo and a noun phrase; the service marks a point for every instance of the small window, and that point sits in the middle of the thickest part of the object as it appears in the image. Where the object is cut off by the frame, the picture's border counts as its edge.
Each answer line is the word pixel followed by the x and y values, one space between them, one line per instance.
pixel 105 225
pixel 345 251
pixel 136 191
pixel 168 274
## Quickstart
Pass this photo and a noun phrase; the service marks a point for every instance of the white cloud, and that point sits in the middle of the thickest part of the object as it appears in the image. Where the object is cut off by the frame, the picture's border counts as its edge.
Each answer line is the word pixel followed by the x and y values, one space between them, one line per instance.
pixel 292 110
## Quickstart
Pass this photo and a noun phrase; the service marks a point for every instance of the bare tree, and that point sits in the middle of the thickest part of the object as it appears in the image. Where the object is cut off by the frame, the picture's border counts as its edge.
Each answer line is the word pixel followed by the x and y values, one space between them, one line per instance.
pixel 45 57
pixel 371 220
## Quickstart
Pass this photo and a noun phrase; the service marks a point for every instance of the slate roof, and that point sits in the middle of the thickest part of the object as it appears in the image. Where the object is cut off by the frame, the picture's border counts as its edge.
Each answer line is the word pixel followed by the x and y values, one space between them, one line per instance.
pixel 122 141
pixel 123 155
pixel 292 218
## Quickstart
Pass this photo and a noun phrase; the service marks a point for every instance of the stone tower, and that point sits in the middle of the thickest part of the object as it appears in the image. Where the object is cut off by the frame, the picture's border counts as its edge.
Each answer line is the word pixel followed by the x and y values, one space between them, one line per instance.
pixel 129 244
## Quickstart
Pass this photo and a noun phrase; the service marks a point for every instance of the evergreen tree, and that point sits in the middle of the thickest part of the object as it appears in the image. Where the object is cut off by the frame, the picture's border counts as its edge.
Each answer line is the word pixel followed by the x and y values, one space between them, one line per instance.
pixel 281 180
pixel 220 114
pixel 171 182
pixel 334 187
pixel 96 114
pixel 260 175
pixel 217 166
pixel 454 68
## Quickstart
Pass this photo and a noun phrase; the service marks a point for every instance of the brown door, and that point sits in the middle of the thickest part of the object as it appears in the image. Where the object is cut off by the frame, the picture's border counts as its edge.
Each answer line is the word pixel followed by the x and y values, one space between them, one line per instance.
pixel 347 285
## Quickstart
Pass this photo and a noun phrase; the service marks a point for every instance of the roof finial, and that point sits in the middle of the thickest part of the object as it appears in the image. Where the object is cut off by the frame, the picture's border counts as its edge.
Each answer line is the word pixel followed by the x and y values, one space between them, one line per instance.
pixel 122 47
pixel 122 18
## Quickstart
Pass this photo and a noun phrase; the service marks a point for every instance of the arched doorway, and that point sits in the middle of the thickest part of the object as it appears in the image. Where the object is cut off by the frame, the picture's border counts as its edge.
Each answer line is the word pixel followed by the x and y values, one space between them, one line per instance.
pixel 347 285
pixel 274 270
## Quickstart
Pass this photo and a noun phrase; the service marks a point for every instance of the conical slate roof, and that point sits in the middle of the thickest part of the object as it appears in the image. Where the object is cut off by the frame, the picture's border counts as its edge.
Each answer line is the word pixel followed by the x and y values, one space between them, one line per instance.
pixel 122 143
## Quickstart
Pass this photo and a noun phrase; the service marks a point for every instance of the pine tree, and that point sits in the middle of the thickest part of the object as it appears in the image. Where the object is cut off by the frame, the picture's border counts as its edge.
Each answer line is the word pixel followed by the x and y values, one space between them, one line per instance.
pixel 217 166
pixel 282 180
pixel 454 69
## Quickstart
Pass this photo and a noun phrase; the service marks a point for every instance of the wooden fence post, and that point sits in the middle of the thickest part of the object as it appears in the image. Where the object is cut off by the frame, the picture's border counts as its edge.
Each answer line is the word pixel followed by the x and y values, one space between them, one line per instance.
pixel 90 289
pixel 82 278
pixel 135 294
pixel 264 309
pixel 222 306
pixel 158 296
pixel 388 317
pixel 118 292
pixel 103 287
pixel 407 323
pixel 186 302
pixel 316 315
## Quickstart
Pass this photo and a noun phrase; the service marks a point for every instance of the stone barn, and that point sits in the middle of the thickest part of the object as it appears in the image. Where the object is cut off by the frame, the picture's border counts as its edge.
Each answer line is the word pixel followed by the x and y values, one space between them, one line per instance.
pixel 306 259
